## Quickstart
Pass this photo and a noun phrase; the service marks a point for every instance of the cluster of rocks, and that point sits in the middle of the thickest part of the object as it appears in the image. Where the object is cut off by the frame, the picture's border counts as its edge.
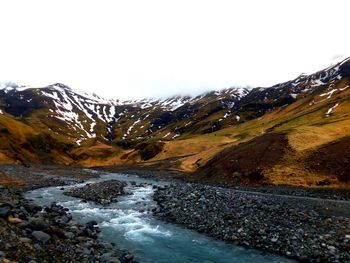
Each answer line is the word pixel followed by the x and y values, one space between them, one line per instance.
pixel 102 193
pixel 30 233
pixel 266 222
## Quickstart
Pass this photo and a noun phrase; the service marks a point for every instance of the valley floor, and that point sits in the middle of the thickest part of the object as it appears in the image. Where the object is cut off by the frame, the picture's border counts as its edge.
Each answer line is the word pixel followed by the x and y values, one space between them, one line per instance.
pixel 307 224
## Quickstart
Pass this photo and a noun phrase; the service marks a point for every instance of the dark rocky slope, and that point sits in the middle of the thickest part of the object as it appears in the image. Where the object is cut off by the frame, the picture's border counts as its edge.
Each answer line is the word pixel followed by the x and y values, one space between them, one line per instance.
pixel 244 163
pixel 332 158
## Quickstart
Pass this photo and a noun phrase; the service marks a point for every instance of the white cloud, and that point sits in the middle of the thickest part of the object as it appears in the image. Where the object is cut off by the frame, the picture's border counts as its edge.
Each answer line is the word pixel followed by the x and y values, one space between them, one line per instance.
pixel 158 48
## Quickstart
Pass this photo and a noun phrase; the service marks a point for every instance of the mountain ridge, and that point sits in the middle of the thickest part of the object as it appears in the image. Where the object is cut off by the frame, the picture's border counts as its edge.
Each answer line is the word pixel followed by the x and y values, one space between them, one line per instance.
pixel 78 128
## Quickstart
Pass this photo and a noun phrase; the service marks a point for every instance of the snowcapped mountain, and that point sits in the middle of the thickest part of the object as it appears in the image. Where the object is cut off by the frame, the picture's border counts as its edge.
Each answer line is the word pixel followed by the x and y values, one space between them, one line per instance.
pixel 81 116
pixel 308 83
pixel 77 118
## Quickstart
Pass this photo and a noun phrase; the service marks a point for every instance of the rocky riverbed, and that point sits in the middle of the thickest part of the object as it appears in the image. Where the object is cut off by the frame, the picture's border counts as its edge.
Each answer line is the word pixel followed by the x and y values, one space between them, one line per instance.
pixel 30 233
pixel 296 226
pixel 102 193
pixel 293 227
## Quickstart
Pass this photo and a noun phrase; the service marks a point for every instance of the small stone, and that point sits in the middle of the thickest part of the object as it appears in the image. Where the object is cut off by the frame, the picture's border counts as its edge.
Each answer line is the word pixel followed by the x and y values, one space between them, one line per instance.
pixel 41 236
pixel 113 260
pixel 331 248
pixel 14 220
pixel 24 224
pixel 38 223
pixel 234 237
pixel 108 246
pixel 69 235
pixel 106 256
pixel 37 247
pixel 64 220
pixel 30 207
pixel 4 211
pixel 274 239
pixel 25 240
pixel 128 257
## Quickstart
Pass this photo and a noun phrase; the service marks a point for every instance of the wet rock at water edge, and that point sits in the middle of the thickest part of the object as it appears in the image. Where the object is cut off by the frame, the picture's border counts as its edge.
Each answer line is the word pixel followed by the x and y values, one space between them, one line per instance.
pixel 29 233
pixel 37 223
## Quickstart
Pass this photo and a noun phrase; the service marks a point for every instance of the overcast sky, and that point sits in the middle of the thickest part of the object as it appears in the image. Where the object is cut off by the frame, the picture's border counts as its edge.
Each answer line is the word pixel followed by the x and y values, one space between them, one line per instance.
pixel 134 49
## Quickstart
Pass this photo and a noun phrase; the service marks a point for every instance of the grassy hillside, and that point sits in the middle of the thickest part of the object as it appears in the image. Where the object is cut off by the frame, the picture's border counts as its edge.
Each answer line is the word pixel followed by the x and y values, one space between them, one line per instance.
pixel 236 136
pixel 21 144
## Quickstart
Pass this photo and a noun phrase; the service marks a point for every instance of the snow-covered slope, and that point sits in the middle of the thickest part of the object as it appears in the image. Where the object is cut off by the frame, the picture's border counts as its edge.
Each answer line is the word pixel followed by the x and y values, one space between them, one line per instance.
pixel 80 116
pixel 308 83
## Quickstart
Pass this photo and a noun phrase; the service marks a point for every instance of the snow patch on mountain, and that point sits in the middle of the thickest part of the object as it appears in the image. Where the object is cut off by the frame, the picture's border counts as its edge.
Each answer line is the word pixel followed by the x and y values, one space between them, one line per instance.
pixel 12 86
pixel 328 94
pixel 329 111
pixel 175 136
pixel 130 129
pixel 166 135
pixel 347 86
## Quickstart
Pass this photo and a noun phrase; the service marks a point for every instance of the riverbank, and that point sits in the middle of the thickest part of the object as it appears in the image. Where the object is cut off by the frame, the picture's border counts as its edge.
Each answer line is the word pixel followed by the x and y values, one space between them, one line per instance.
pixel 31 233
pixel 310 229
pixel 297 223
pixel 174 176
pixel 130 223
pixel 26 178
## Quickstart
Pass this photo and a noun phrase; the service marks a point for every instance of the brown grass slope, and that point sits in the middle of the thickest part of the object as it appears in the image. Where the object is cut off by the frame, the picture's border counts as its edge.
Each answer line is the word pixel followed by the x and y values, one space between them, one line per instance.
pixel 244 163
pixel 20 144
pixel 315 144
pixel 274 140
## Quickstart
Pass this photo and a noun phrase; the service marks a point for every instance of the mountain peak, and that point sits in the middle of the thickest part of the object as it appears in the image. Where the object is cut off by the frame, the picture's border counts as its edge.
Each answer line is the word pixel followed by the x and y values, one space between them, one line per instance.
pixel 59 85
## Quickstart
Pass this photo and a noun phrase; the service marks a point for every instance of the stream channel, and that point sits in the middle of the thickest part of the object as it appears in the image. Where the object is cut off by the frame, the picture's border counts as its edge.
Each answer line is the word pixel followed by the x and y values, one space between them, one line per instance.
pixel 130 224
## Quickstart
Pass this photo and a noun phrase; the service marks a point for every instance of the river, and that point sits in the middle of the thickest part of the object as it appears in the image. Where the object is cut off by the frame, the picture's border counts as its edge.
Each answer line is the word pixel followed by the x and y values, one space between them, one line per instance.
pixel 130 224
